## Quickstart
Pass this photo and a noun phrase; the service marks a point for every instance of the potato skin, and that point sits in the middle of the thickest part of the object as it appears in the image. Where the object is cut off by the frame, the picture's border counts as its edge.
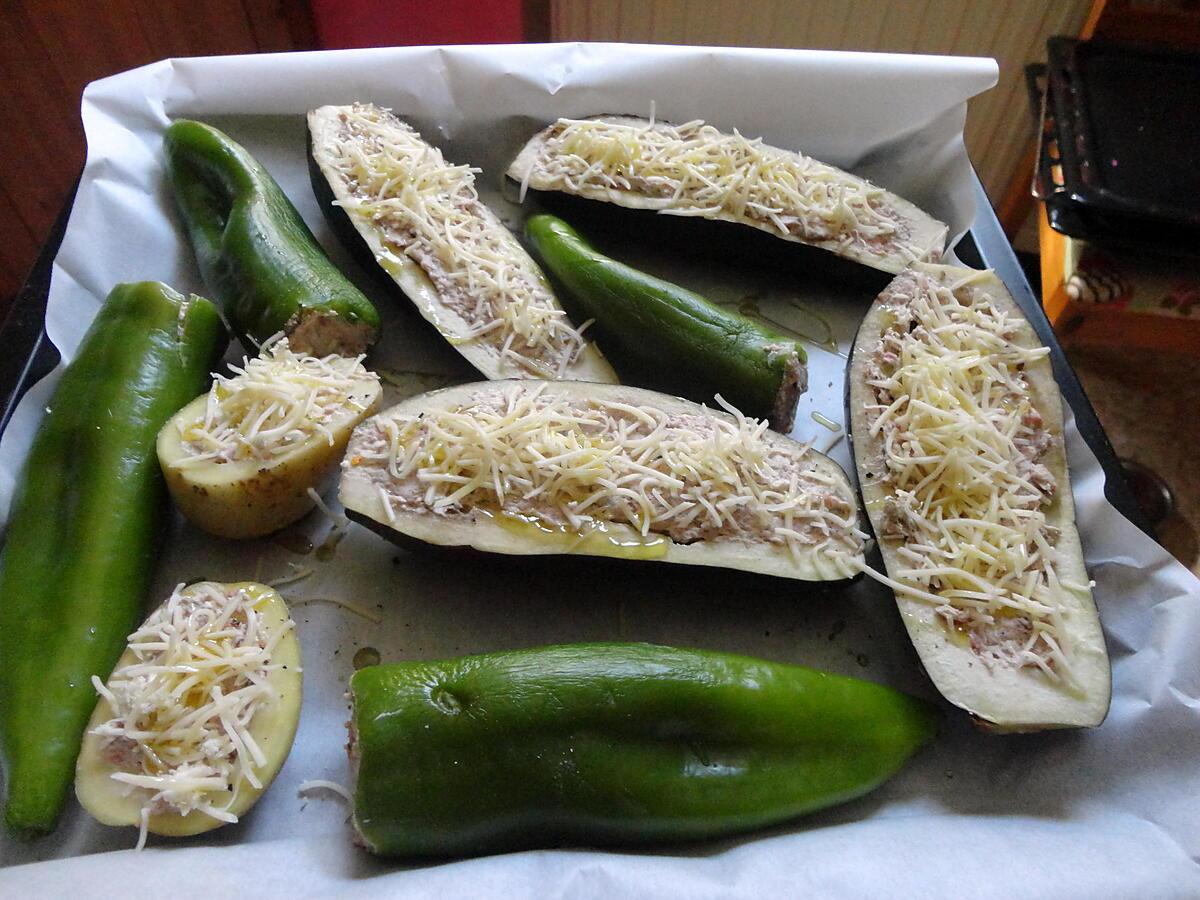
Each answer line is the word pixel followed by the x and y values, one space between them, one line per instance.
pixel 248 500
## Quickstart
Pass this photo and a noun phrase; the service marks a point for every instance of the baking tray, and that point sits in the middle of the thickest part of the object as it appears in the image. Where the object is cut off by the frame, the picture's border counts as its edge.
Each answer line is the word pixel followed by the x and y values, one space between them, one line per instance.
pixel 1102 807
pixel 1120 120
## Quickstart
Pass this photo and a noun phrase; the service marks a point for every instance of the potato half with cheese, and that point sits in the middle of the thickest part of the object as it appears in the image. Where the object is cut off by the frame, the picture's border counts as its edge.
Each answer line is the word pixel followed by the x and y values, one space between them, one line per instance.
pixel 957 433
pixel 240 460
pixel 396 201
pixel 199 714
pixel 696 170
pixel 520 467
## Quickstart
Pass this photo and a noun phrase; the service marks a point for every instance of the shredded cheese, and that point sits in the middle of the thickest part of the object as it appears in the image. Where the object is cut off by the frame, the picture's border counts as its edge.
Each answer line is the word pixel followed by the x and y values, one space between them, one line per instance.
pixel 180 733
pixel 429 211
pixel 575 464
pixel 966 493
pixel 298 573
pixel 695 170
pixel 822 419
pixel 338 520
pixel 320 784
pixel 357 608
pixel 272 404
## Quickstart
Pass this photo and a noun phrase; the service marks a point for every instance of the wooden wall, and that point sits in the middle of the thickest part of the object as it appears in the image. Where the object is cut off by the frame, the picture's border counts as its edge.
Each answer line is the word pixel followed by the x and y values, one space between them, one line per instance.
pixel 50 49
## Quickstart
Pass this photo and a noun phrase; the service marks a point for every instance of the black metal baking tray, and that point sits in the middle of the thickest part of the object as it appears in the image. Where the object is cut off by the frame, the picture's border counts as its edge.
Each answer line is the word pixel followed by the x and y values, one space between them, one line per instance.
pixel 1125 121
pixel 29 355
pixel 1049 184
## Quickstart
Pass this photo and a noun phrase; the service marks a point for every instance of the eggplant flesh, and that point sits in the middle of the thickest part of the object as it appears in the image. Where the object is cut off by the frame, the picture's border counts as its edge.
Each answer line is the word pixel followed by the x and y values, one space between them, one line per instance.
pixel 369 242
pixel 375 497
pixel 1001 697
pixel 922 237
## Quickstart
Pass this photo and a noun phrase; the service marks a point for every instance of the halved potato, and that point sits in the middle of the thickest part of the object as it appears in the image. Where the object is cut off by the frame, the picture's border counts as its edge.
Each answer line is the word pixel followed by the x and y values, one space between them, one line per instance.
pixel 967 660
pixel 272 725
pixel 732 483
pixel 250 493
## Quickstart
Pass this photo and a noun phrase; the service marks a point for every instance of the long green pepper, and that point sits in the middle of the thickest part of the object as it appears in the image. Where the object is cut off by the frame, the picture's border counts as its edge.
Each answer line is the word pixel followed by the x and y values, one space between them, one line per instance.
pixel 81 536
pixel 257 256
pixel 611 743
pixel 689 344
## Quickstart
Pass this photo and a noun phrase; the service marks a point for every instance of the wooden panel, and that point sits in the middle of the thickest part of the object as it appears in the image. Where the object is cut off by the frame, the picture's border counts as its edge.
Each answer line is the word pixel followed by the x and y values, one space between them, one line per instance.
pixel 18 248
pixel 280 25
pixel 1013 31
pixel 51 49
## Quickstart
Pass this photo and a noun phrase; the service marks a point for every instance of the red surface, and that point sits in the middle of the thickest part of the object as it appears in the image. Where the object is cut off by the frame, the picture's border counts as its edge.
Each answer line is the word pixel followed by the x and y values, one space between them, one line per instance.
pixel 342 24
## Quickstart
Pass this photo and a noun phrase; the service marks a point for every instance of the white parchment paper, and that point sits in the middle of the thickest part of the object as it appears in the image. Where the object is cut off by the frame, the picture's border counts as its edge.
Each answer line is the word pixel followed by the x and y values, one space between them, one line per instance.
pixel 1107 812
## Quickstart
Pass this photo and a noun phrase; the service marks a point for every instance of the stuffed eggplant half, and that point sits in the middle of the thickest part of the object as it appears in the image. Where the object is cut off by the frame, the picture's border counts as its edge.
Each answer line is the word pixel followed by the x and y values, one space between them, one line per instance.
pixel 695 170
pixel 521 467
pixel 957 433
pixel 421 219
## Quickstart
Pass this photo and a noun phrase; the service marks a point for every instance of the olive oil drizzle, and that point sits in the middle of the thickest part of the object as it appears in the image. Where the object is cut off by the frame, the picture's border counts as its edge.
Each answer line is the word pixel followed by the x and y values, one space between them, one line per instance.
pixel 820 334
pixel 597 539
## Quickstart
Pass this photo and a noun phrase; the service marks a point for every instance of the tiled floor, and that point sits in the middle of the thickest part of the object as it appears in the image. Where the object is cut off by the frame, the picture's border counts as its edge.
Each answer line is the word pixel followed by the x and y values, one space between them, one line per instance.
pixel 1149 403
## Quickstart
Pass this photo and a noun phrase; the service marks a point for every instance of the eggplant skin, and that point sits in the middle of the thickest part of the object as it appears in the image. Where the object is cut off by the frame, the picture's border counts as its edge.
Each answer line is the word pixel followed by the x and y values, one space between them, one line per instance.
pixel 1002 699
pixel 474 529
pixel 611 744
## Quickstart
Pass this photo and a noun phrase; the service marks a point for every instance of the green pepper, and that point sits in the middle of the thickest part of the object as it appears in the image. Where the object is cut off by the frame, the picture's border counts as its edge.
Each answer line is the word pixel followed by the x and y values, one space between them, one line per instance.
pixel 255 252
pixel 611 743
pixel 692 345
pixel 80 542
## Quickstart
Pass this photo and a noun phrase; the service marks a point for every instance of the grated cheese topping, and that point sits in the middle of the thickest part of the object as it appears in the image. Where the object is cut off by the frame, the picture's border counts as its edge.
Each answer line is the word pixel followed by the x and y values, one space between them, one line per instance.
pixel 967 492
pixel 357 608
pixel 321 784
pixel 429 211
pixel 575 464
pixel 695 170
pixel 273 404
pixel 298 573
pixel 182 710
